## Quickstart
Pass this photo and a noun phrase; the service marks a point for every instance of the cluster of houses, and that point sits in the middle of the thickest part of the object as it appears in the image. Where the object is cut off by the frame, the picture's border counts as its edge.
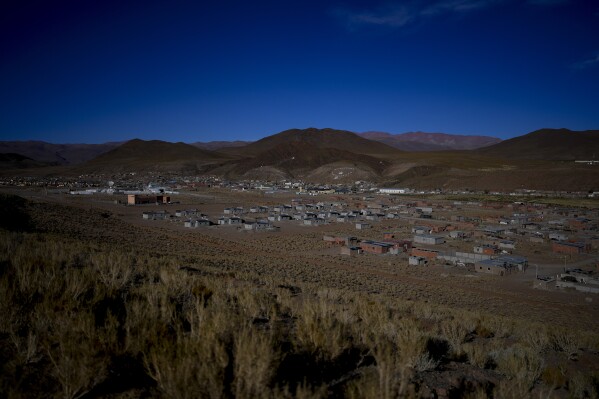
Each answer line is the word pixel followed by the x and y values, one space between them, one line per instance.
pixel 500 264
pixel 495 232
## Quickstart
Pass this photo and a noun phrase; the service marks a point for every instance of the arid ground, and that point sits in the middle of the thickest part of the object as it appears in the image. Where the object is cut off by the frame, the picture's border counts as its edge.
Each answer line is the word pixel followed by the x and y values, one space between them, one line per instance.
pixel 280 314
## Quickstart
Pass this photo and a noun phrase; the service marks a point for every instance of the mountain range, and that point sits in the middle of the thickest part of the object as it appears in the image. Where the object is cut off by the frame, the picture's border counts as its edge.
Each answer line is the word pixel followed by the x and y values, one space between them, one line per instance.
pixel 538 160
pixel 73 154
pixel 421 141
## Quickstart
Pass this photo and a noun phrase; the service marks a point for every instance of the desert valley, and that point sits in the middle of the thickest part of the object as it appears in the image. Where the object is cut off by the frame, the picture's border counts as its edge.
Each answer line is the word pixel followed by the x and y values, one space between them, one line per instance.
pixel 310 263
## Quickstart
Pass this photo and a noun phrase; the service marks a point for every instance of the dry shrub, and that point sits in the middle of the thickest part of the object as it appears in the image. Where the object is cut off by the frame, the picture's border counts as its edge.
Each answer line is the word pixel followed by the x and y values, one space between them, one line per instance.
pixel 554 377
pixel 411 344
pixel 74 348
pixel 537 338
pixel 253 363
pixel 522 365
pixel 455 333
pixel 478 354
pixel 583 385
pixel 319 331
pixel 564 341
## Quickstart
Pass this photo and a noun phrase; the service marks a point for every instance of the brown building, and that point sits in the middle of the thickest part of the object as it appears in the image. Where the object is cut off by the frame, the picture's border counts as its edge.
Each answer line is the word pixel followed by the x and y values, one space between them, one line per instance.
pixel 375 247
pixel 139 199
pixel 566 247
pixel 425 253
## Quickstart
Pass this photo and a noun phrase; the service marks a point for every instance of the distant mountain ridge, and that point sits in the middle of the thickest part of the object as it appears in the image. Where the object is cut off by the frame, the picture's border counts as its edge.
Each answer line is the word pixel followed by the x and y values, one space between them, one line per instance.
pixel 422 141
pixel 540 160
pixel 59 154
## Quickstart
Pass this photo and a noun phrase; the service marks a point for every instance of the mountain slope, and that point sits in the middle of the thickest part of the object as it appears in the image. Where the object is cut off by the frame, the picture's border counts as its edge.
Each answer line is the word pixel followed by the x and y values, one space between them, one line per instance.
pixel 317 138
pixel 217 145
pixel 421 141
pixel 60 154
pixel 548 144
pixel 299 158
pixel 18 161
pixel 154 155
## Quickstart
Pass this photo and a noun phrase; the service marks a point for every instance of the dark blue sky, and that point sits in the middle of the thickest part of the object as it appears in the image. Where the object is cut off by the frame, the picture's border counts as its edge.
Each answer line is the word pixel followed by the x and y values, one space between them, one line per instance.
pixel 96 71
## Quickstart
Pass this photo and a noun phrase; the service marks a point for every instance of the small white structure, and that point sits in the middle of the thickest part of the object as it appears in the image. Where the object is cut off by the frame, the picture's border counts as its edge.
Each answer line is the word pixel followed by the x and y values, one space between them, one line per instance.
pixel 428 239
pixel 392 190
pixel 417 261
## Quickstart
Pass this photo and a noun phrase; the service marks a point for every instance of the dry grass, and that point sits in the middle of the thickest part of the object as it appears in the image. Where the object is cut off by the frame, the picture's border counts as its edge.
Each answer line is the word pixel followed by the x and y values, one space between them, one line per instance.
pixel 80 317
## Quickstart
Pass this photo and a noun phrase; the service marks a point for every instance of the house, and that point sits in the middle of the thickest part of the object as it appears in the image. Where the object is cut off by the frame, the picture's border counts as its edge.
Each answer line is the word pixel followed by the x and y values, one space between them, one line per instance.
pixel 514 262
pixel 196 223
pixel 417 261
pixel 566 247
pixel 489 266
pixel 258 226
pixel 334 241
pixel 486 249
pixel 536 239
pixel 400 245
pixel 138 199
pixel 457 234
pixel 421 230
pixel 375 247
pixel 428 239
pixel 425 253
pixel 493 231
pixel 502 265
pixel 362 226
pixel 314 222
pixel 350 251
pixel 507 244
pixel 186 212
pixel 579 223
pixel 231 220
pixel 557 236
pixel 155 215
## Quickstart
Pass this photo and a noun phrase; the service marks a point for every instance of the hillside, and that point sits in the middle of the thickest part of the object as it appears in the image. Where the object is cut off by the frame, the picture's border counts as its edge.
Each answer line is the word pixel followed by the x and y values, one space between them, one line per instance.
pixel 155 155
pixel 317 138
pixel 548 144
pixel 421 141
pixel 217 145
pixel 300 158
pixel 59 154
pixel 18 161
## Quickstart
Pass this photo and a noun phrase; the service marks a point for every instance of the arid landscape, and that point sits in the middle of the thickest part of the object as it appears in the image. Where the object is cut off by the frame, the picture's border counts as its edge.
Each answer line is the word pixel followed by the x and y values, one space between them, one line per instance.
pixel 202 286
pixel 384 199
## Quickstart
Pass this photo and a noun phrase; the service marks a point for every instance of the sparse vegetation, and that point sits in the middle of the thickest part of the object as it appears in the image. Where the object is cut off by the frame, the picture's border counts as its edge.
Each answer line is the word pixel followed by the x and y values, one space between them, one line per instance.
pixel 83 318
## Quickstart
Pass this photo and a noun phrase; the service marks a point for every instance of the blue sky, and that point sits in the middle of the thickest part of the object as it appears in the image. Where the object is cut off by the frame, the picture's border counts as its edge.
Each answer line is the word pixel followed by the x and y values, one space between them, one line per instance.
pixel 83 71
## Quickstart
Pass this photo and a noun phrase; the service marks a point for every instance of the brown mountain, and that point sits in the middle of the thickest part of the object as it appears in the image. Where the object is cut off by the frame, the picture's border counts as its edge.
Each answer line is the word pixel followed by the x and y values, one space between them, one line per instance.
pixel 154 155
pixel 300 158
pixel 59 154
pixel 217 145
pixel 548 144
pixel 421 141
pixel 317 138
pixel 18 161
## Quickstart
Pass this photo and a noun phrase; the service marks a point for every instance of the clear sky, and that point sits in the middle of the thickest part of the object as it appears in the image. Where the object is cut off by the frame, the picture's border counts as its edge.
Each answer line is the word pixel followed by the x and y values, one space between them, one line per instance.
pixel 97 71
